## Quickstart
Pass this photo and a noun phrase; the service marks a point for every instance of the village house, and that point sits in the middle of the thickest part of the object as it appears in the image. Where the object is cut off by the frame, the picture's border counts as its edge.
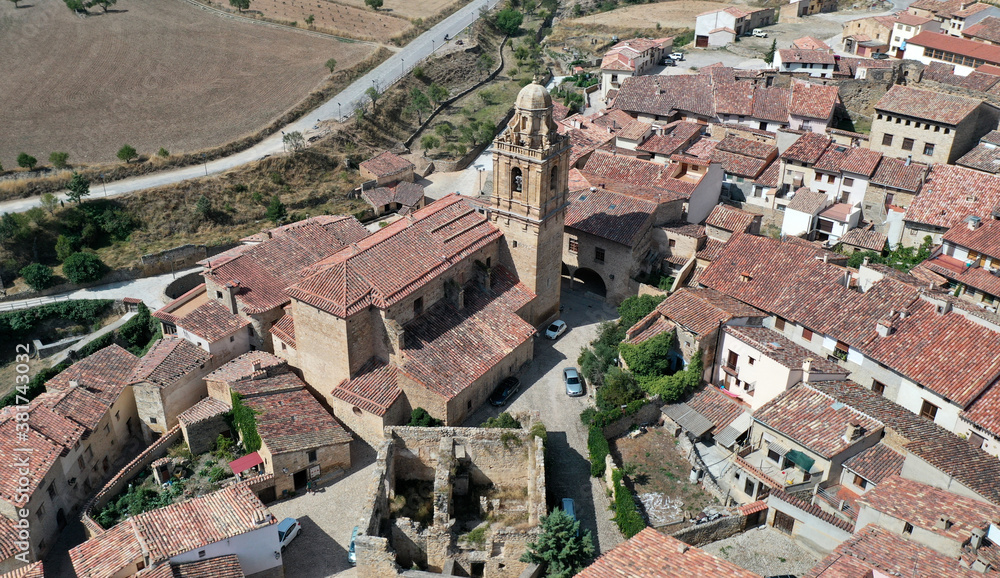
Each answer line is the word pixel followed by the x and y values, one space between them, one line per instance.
pixel 798 163
pixel 868 35
pixel 940 10
pixel 965 54
pixel 969 259
pixel 387 168
pixel 229 522
pixel 864 238
pixel 810 43
pixel 800 8
pixel 815 63
pixel 743 161
pixel 892 187
pixel 725 221
pixel 986 30
pixel 864 472
pixel 929 126
pixel 949 195
pixel 985 156
pixel 721 27
pixel 842 173
pixel 402 197
pixel 631 58
pixel 969 16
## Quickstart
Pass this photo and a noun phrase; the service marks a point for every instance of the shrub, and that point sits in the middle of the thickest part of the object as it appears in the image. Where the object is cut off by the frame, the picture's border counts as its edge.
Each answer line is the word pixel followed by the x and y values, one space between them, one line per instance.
pixel 508 21
pixel 36 386
pixel 96 345
pixel 218 473
pixel 627 516
pixel 59 159
pixel 620 388
pixel 26 161
pixel 651 357
pixel 538 430
pixel 504 420
pixel 19 323
pixel 561 547
pixel 244 420
pixel 635 308
pixel 598 446
pixel 137 332
pixel 84 268
pixel 38 276
pixel 672 388
pixel 276 210
pixel 127 153
pixel 163 153
pixel 420 418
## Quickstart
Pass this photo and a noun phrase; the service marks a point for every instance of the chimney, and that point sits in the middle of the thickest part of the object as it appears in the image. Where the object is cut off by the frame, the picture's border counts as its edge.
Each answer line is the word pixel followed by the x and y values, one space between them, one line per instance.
pixel 269 234
pixel 943 523
pixel 974 222
pixel 864 263
pixel 826 257
pixel 852 432
pixel 807 370
pixel 397 340
pixel 256 366
pixel 976 539
pixel 903 313
pixel 909 159
pixel 682 548
pixel 231 290
pixel 884 327
pixel 74 383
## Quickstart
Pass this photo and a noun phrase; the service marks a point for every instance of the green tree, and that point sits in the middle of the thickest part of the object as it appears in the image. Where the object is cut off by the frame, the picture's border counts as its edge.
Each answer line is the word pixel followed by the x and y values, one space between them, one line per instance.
pixel 429 142
pixel 203 207
pixel 78 186
pixel 561 546
pixel 276 210
pixel 485 63
pixel 504 420
pixel 577 10
pixel 372 93
pixel 244 420
pixel 59 159
pixel 420 418
pixel 310 19
pixel 38 276
pixel 127 153
pixel 769 56
pixel 373 4
pixel 66 245
pixel 49 202
pixel 651 357
pixel 294 140
pixel 15 3
pixel 529 6
pixel 443 130
pixel 620 388
pixel 163 153
pixel 76 5
pixel 102 3
pixel 635 308
pixel 419 73
pixel 673 388
pixel 437 93
pixel 26 161
pixel 240 5
pixel 84 268
pixel 117 223
pixel 509 21
pixel 138 331
pixel 419 103
pixel 331 64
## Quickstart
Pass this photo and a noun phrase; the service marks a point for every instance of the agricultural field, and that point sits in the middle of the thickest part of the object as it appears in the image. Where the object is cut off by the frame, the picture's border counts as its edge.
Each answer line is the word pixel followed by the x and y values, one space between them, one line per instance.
pixel 335 18
pixel 150 73
pixel 408 8
pixel 679 13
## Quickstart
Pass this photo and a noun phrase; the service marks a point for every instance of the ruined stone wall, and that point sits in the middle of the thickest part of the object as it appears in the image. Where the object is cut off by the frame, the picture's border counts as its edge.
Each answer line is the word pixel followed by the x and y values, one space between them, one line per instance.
pixel 201 436
pixel 712 531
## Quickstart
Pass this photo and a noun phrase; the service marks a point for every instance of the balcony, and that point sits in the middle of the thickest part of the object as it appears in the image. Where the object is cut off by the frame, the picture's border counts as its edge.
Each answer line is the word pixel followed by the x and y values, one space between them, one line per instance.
pixel 838 500
pixel 791 476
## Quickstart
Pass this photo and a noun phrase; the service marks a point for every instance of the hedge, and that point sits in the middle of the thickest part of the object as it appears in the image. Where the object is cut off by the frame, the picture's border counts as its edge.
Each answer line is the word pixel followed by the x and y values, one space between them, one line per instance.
pixel 21 322
pixel 603 419
pixel 627 516
pixel 599 449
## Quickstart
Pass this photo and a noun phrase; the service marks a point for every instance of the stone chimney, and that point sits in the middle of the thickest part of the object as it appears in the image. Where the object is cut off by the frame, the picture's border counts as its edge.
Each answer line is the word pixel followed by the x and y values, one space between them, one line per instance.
pixel 74 383
pixel 396 340
pixel 976 539
pixel 884 327
pixel 807 370
pixel 852 432
pixel 255 366
pixel 973 222
pixel 231 290
pixel 943 523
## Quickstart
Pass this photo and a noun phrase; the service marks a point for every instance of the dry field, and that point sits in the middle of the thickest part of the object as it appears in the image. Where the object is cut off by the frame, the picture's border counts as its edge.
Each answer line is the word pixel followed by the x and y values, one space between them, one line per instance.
pixel 334 18
pixel 408 8
pixel 674 14
pixel 155 73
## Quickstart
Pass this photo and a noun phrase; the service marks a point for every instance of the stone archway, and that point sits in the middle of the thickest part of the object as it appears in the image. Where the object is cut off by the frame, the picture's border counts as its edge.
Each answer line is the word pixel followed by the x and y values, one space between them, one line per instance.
pixel 590 280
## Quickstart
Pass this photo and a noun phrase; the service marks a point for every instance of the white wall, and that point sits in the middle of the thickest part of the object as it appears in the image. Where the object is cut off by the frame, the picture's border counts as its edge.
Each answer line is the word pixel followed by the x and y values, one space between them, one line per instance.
pixel 769 377
pixel 796 223
pixel 912 397
pixel 915 52
pixel 256 550
pixel 705 196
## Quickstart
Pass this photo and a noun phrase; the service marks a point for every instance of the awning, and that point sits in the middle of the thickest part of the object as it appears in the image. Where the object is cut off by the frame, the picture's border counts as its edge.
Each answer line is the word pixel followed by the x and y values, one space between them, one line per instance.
pixel 243 464
pixel 777 448
pixel 739 426
pixel 688 418
pixel 802 461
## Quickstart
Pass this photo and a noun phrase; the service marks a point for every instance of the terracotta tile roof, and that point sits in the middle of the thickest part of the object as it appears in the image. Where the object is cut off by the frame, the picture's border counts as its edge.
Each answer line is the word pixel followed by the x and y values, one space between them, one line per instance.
pixel 985 238
pixel 987 29
pixel 876 463
pixel 264 384
pixel 942 8
pixel 812 509
pixel 405 193
pixel 662 144
pixel 811 418
pixel 813 100
pixel 807 148
pixel 265 270
pixel 168 360
pixel 979 81
pixel 771 103
pixel 927 104
pixel 711 249
pixel 617 218
pixel 865 238
pixel 623 169
pixel 808 202
pixel 242 367
pixel 955 270
pixel 684 228
pixel 647 328
pixel 205 409
pixel 33 570
pixel 747 147
pixel 212 321
pixel 805 56
pixel 732 97
pixel 810 43
pixel 922 505
pixel 617 61
pixel 985 411
pixel 634 130
pixel 107 554
pixel 221 567
pixel 702 310
pixel 386 164
pixel 730 219
pixel 8 537
pixel 284 328
pixel 971 10
pixel 876 549
pixel 293 421
pixel 701 149
pixel 740 165
pixel 860 161
pixel 952 193
pixel 896 174
pixel 838 212
pixel 769 178
pixel 650 554
pixel 985 156
pixel 752 507
pixel 390 264
pixel 715 406
pixel 374 389
pixel 104 373
pixel 782 350
pixel 44 450
pixel 447 349
pixel 978 50
pixel 661 95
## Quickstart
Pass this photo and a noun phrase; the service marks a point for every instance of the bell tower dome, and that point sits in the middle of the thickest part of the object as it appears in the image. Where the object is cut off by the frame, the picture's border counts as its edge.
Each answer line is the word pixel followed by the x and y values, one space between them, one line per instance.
pixel 528 202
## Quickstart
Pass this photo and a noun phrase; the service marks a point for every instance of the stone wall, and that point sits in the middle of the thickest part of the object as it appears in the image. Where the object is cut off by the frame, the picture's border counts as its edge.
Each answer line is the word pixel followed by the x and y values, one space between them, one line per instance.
pixel 200 436
pixel 649 413
pixel 713 531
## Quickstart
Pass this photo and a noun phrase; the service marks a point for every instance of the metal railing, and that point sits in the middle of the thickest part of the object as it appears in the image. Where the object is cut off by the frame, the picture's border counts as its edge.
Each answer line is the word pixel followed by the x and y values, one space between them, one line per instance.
pixel 839 504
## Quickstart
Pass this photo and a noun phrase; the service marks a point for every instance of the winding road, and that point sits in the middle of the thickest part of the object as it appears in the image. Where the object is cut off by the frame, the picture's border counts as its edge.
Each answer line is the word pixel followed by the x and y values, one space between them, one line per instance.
pixel 343 103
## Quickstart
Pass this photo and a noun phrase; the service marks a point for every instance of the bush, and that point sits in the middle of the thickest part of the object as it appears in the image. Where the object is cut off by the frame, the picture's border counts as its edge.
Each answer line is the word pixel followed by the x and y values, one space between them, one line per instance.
pixel 420 418
pixel 276 211
pixel 96 345
pixel 66 245
pixel 16 324
pixel 38 276
pixel 35 387
pixel 651 357
pixel 136 334
pixel 84 268
pixel 627 516
pixel 539 431
pixel 673 388
pixel 504 420
pixel 26 161
pixel 59 159
pixel 620 388
pixel 635 308
pixel 599 449
pixel 127 153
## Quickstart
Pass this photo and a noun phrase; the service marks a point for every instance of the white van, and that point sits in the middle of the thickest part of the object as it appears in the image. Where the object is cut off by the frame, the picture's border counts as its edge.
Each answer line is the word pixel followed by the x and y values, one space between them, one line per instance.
pixel 759 33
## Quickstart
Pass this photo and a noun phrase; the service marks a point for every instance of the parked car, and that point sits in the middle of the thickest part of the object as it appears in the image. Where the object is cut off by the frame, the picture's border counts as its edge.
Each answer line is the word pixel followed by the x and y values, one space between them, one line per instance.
pixel 505 391
pixel 288 529
pixel 669 62
pixel 574 385
pixel 880 56
pixel 759 33
pixel 352 558
pixel 557 328
pixel 678 56
pixel 570 508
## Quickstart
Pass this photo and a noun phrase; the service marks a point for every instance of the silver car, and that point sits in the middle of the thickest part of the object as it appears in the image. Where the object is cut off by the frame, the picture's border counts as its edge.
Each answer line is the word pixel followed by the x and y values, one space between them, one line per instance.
pixel 574 385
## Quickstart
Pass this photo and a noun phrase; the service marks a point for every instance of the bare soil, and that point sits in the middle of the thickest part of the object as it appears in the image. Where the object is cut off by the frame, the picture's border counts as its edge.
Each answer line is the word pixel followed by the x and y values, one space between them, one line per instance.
pixel 333 17
pixel 153 73
pixel 680 13
pixel 409 8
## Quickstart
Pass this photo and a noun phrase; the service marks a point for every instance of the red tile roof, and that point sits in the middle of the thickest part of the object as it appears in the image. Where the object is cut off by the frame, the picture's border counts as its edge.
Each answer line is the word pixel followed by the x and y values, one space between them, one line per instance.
pixel 896 174
pixel 266 385
pixel 33 570
pixel 650 554
pixel 227 566
pixel 876 463
pixel 392 263
pixel 242 366
pixel 876 549
pixel 212 321
pixel 623 169
pixel 284 328
pixel 375 388
pixel 985 156
pixel 617 218
pixel 207 408
pixel 955 270
pixel 866 238
pixel 806 56
pixel 293 421
pixel 731 219
pixel 747 147
pixel 404 193
pixel 807 148
pixel 661 95
pixel 107 554
pixel 810 43
pixel 715 406
pixel 978 50
pixel 662 144
pixel 386 164
pixel 813 100
pixel 812 509
pixel 701 311
pixel 985 411
pixel 769 178
pixel 169 360
pixel 922 505
pixel 647 328
pixel 987 29
pixel 985 238
pixel 808 202
pixel 927 104
pixel 860 161
pixel 952 193
pixel 783 351
pixel 104 373
pixel 50 437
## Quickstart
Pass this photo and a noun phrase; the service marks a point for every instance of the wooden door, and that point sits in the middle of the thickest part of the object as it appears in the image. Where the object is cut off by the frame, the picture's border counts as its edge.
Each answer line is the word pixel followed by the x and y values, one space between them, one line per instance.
pixel 783 522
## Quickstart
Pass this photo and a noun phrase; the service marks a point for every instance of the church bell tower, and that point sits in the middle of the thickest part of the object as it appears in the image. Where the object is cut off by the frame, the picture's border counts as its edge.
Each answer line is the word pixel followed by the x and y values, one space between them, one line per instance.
pixel 530 184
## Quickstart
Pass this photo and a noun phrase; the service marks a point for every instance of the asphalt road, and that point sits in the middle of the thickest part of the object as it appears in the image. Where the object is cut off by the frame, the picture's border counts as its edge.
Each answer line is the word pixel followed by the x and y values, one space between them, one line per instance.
pixel 343 103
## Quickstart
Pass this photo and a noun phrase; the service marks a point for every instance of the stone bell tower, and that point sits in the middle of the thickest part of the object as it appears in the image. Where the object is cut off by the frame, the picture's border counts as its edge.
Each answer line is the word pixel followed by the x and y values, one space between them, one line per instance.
pixel 530 184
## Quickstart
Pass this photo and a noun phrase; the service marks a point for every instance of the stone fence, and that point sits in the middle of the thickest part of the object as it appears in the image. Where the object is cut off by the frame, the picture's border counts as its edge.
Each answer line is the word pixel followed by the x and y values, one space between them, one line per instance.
pixel 649 413
pixel 709 532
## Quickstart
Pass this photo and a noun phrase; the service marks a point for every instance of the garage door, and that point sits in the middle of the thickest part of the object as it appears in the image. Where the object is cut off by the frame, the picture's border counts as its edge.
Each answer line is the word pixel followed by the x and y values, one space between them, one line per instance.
pixel 701 41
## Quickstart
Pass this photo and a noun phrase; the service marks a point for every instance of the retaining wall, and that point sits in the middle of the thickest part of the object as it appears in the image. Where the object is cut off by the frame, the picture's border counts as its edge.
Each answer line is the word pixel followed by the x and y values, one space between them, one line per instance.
pixel 712 531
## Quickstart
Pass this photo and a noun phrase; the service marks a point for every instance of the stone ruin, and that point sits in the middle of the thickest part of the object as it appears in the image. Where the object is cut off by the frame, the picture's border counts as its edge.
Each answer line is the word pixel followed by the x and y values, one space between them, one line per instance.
pixel 452 501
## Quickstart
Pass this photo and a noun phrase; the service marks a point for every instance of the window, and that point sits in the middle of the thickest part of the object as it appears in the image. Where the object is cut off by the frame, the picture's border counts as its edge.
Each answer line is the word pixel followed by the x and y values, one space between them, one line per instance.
pixel 848 182
pixel 574 245
pixel 107 428
pixel 40 512
pixel 878 387
pixel 218 294
pixel 89 452
pixel 907 144
pixel 201 553
pixel 751 360
pixel 232 338
pixel 312 456
pixel 840 350
pixel 887 140
pixel 468 404
pixel 672 243
pixel 860 482
pixel 779 323
pixel 830 178
pixel 516 180
pixel 152 419
pixel 976 440
pixel 774 456
pixel 118 416
pixel 907 528
pixel 928 410
pixel 418 305
pixel 52 490
pixel 732 359
pixel 515 244
pixel 283 347
pixel 928 149
pixel 79 462
pixel 598 254
pixel 807 334
pixel 749 388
